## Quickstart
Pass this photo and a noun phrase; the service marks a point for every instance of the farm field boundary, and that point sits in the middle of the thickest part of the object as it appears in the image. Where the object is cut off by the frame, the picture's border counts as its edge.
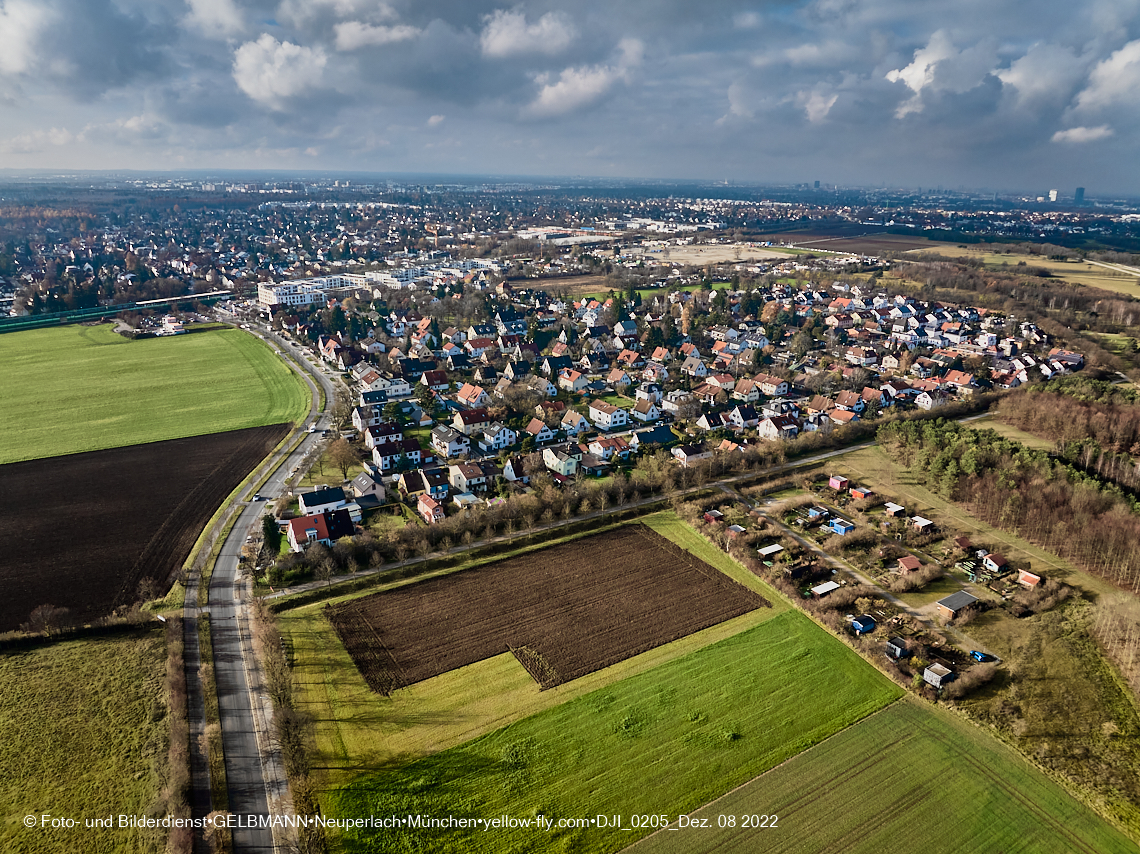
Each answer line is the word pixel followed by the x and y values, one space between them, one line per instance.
pixel 578 608
pixel 662 742
pixel 908 772
pixel 93 526
pixel 76 389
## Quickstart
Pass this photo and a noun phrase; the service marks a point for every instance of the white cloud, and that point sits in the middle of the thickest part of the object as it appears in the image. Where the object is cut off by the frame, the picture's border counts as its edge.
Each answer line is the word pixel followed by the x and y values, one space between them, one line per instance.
pixel 301 12
pixel 215 17
pixel 816 104
pixel 1082 134
pixel 508 33
pixel 1047 72
pixel 577 87
pixel 30 143
pixel 21 24
pixel 1114 80
pixel 940 66
pixel 351 35
pixel 920 73
pixel 270 71
pixel 435 120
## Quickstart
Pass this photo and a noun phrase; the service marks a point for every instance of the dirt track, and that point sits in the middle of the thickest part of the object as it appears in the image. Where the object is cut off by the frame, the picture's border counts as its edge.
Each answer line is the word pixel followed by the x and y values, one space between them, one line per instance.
pixel 564 611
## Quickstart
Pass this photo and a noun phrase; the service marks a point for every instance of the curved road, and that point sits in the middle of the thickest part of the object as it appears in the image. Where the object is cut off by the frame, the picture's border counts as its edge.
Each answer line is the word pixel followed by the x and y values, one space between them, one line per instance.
pixel 255 775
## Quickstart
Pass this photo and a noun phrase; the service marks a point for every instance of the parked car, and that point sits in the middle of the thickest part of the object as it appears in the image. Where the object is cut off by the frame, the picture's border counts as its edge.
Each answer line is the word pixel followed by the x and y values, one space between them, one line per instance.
pixel 978 655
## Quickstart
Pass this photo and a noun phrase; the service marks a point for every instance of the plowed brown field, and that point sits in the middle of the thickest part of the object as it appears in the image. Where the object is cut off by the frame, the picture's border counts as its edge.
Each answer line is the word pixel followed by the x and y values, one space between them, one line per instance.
pixel 81 531
pixel 564 611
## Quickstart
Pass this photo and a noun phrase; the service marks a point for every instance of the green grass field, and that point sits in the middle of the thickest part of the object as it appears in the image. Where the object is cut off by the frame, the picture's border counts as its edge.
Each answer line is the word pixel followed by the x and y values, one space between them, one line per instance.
pixel 84 388
pixel 910 778
pixel 84 727
pixel 664 741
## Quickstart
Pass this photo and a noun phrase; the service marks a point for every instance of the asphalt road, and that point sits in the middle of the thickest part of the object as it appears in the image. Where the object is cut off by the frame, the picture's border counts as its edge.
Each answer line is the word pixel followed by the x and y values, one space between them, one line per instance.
pixel 255 776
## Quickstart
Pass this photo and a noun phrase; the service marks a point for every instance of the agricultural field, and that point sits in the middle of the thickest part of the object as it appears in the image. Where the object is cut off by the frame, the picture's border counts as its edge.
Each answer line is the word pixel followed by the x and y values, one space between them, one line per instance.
pixel 909 772
pixel 357 729
pixel 1095 274
pixel 851 239
pixel 86 529
pixel 85 735
pixel 698 255
pixel 73 389
pixel 564 612
pixel 663 741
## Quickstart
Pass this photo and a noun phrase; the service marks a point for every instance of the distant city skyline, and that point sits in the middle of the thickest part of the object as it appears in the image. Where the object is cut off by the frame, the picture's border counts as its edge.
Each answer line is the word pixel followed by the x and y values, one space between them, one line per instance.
pixel 1013 96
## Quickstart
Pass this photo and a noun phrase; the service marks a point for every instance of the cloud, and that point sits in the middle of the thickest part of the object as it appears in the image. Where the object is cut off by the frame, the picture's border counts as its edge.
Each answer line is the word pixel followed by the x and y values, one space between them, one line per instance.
pixel 1114 81
pixel 352 35
pixel 746 20
pixel 436 120
pixel 36 141
pixel 1082 134
pixel 508 33
pixel 21 24
pixel 816 104
pixel 218 18
pixel 941 67
pixel 1047 72
pixel 271 72
pixel 578 87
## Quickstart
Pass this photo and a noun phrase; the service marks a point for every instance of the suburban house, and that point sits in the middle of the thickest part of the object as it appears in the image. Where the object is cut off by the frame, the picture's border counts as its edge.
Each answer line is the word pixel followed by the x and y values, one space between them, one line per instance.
pixel 539 431
pixel 573 381
pixel 472 396
pixel 645 410
pixel 771 386
pixel 688 455
pixel 364 485
pixel 497 437
pixel 430 509
pixel 432 482
pixel 389 455
pixel 778 427
pixel 378 434
pixel 324 528
pixel 322 500
pixel 467 477
pixel 606 416
pixel 470 421
pixel 449 442
pixel 563 459
pixel 574 423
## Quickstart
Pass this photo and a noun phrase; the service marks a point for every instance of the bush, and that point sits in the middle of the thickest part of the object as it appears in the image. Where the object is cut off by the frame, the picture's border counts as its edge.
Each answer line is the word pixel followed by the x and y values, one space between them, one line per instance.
pixel 970 681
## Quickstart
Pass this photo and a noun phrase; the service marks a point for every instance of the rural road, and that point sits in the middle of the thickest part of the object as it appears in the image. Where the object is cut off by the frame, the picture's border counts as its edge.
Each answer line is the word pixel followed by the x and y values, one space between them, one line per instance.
pixel 255 774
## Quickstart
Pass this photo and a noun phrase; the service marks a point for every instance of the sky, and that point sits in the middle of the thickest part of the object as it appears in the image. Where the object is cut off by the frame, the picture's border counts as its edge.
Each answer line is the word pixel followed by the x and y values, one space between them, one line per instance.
pixel 1014 95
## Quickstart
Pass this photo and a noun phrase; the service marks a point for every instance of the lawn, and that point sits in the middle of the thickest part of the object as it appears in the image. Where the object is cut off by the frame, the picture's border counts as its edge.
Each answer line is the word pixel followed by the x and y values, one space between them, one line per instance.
pixel 664 741
pixel 84 388
pixel 357 729
pixel 909 778
pixel 85 732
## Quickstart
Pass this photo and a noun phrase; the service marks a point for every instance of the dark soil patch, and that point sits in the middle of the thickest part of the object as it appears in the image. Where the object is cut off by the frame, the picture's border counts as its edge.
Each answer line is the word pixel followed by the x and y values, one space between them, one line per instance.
pixel 82 531
pixel 564 611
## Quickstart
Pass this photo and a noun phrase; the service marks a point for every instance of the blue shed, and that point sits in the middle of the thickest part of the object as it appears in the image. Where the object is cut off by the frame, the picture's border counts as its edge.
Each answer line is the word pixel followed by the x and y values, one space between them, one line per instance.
pixel 841 526
pixel 863 624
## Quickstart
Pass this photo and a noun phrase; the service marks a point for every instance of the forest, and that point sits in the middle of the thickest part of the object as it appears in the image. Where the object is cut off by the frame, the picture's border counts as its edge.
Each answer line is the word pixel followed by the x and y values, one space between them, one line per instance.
pixel 1044 499
pixel 1095 424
